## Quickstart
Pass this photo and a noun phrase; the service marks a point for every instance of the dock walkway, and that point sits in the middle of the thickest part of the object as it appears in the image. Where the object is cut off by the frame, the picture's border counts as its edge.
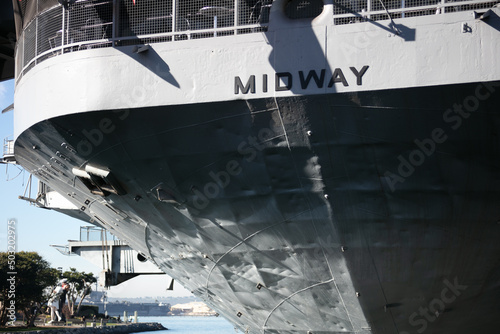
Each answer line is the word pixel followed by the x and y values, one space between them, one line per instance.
pixel 116 328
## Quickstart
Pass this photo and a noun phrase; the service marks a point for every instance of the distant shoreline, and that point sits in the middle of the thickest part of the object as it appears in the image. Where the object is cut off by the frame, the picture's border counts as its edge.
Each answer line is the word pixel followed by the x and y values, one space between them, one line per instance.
pixel 191 315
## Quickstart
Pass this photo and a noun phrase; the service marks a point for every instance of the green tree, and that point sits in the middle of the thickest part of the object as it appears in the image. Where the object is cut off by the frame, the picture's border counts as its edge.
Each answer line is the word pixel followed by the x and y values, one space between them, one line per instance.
pixel 80 287
pixel 27 287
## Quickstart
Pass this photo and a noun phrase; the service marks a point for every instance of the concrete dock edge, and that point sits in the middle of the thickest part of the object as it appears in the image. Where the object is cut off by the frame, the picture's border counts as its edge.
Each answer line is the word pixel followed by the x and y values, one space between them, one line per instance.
pixel 127 328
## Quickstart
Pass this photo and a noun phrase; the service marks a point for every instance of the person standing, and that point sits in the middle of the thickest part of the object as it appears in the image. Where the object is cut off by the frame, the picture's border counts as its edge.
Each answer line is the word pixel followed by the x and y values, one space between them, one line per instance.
pixel 53 303
pixel 62 297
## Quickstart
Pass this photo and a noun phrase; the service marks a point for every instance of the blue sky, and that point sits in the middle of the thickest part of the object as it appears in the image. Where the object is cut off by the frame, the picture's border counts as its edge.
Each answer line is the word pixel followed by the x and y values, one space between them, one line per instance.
pixel 38 228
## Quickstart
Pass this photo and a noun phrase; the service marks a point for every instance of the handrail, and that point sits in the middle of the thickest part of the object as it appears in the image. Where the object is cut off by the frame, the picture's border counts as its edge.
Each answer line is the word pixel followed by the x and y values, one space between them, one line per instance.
pixel 61 48
pixel 95 233
pixel 189 33
pixel 33 47
pixel 367 13
pixel 88 24
pixel 29 50
pixel 8 147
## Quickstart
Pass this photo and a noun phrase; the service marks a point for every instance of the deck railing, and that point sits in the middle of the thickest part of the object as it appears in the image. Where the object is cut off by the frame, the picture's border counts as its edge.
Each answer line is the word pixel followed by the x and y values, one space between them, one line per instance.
pixel 8 151
pixel 89 24
pixel 94 233
pixel 354 11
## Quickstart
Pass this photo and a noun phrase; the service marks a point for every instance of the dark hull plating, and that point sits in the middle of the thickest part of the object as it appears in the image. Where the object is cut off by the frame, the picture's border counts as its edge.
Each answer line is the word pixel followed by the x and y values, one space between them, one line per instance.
pixel 329 213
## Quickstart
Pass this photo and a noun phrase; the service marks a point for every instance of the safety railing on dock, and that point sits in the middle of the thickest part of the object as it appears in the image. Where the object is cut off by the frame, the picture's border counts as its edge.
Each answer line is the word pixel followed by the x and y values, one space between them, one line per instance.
pixel 54 27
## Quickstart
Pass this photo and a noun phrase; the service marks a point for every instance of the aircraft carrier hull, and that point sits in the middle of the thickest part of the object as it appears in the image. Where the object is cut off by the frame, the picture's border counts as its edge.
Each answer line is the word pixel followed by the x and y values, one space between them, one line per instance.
pixel 335 171
pixel 345 212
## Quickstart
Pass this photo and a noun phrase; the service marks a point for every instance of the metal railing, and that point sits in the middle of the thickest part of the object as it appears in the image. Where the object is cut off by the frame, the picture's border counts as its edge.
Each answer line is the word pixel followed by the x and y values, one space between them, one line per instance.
pixel 355 11
pixel 94 233
pixel 8 150
pixel 89 24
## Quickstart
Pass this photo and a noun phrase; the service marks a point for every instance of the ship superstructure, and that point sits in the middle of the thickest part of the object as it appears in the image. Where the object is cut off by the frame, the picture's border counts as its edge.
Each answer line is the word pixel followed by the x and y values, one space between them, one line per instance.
pixel 301 166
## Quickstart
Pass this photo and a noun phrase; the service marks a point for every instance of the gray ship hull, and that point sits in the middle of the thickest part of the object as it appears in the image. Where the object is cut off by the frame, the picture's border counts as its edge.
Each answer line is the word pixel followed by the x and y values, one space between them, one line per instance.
pixel 351 212
pixel 301 166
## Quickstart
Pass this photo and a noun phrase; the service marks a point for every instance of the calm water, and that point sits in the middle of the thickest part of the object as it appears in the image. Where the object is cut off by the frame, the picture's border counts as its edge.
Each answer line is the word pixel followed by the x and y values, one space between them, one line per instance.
pixel 192 325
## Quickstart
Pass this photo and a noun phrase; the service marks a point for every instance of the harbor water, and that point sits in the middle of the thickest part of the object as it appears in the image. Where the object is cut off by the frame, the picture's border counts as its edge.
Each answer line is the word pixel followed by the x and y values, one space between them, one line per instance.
pixel 192 325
